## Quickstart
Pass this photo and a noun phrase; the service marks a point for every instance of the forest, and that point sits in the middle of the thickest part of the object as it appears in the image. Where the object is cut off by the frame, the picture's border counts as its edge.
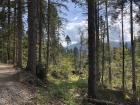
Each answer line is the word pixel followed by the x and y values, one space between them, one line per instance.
pixel 69 52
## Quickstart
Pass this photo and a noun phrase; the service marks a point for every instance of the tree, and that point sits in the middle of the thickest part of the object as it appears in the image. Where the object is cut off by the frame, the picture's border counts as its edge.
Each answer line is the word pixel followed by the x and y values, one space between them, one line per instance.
pixel 51 26
pixel 76 57
pixel 48 37
pixel 123 51
pixel 14 37
pixel 108 42
pixel 9 32
pixel 19 32
pixel 81 32
pixel 97 40
pixel 68 40
pixel 102 32
pixel 40 23
pixel 54 36
pixel 32 36
pixel 133 53
pixel 91 49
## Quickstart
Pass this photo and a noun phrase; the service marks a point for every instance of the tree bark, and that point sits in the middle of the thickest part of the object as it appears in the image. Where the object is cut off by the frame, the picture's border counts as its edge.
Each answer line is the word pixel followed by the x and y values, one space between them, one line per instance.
pixel 20 33
pixel 123 54
pixel 108 44
pixel 91 49
pixel 48 39
pixel 40 30
pixel 14 39
pixel 133 53
pixel 103 55
pixel 8 40
pixel 32 36
pixel 97 41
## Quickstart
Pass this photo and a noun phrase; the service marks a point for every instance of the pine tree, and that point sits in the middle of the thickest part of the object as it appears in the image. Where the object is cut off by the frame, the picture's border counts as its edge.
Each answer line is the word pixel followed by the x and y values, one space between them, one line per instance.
pixel 32 36
pixel 91 50
pixel 133 53
pixel 19 32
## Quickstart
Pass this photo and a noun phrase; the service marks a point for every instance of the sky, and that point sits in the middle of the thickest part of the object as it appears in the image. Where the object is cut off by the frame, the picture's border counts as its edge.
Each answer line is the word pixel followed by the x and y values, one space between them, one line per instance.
pixel 77 19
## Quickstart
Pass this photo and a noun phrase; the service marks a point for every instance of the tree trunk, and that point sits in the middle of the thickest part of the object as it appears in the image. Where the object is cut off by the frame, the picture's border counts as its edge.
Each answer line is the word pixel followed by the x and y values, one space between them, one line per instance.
pixel 14 39
pixel 108 44
pixel 48 39
pixel 8 40
pixel 123 54
pixel 20 33
pixel 97 41
pixel 91 49
pixel 103 55
pixel 133 53
pixel 80 54
pixel 3 40
pixel 40 30
pixel 32 36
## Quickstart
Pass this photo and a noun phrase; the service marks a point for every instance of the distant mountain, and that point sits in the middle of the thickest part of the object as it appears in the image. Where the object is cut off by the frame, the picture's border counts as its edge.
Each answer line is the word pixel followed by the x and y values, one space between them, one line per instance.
pixel 117 44
pixel 72 46
pixel 77 45
pixel 128 44
pixel 113 44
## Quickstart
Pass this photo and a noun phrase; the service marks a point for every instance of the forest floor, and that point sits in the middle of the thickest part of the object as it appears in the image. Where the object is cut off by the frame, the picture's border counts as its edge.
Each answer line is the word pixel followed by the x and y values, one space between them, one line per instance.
pixel 73 91
pixel 12 91
pixel 15 90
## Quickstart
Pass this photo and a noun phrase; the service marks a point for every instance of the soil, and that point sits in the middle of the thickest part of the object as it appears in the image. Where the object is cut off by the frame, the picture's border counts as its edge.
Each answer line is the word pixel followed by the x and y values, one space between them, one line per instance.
pixel 12 91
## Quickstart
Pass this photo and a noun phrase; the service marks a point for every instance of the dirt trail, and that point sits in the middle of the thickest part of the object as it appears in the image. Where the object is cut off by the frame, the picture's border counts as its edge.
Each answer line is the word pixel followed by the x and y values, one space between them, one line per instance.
pixel 13 92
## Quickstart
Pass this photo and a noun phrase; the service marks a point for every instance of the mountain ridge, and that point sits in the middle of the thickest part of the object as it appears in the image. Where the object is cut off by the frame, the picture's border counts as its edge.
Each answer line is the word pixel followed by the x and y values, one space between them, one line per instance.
pixel 113 44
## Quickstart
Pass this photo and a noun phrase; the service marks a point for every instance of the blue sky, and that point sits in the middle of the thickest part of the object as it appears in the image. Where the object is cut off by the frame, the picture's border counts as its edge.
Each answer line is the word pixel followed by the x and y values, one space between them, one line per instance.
pixel 76 19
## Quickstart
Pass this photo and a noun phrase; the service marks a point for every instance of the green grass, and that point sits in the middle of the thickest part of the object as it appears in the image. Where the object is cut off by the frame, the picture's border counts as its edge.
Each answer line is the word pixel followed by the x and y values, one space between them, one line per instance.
pixel 65 91
pixel 73 92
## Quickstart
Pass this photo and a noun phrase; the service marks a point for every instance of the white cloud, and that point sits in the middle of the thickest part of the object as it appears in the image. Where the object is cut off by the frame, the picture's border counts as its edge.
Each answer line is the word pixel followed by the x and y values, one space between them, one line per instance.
pixel 64 44
pixel 75 22
pixel 75 19
pixel 118 25
pixel 72 30
pixel 76 25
